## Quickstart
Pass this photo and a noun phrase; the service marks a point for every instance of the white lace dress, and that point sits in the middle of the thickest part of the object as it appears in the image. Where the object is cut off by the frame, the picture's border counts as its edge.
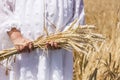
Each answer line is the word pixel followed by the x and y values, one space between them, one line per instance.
pixel 27 16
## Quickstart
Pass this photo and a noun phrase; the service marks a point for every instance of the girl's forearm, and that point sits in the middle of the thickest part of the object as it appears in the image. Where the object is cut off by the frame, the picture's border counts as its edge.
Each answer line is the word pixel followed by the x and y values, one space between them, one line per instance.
pixel 14 34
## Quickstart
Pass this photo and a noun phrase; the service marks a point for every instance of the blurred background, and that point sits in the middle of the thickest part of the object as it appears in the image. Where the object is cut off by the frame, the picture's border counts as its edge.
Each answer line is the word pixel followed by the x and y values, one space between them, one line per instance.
pixel 105 64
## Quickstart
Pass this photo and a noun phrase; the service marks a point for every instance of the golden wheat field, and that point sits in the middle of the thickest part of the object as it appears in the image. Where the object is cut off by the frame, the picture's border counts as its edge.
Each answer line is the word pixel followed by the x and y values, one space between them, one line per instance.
pixel 104 64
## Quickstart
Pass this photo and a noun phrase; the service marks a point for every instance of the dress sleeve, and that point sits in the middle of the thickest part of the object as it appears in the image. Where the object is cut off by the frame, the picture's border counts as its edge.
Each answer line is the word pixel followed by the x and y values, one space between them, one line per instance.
pixel 8 17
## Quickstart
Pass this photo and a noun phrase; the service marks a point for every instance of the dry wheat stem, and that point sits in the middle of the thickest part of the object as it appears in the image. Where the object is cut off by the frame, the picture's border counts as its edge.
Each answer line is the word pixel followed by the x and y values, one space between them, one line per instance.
pixel 79 39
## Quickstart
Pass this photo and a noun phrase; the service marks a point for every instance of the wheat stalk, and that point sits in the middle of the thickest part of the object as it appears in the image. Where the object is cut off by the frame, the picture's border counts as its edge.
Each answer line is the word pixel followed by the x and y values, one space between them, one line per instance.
pixel 81 39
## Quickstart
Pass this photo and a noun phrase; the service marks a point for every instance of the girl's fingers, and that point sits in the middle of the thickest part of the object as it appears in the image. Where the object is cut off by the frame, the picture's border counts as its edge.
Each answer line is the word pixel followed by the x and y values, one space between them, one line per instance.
pixel 55 45
pixel 26 49
pixel 21 48
pixel 48 44
pixel 17 47
pixel 51 43
pixel 30 46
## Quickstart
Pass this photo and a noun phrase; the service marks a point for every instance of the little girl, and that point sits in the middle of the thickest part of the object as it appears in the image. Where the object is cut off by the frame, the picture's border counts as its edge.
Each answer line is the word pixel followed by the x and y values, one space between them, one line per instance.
pixel 22 21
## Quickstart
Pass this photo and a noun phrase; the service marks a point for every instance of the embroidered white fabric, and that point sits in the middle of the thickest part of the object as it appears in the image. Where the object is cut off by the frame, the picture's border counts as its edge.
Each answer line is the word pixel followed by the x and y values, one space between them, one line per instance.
pixel 27 16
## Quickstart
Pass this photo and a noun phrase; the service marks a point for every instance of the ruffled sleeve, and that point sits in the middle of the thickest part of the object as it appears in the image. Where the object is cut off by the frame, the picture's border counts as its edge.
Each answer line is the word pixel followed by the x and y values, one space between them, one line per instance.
pixel 8 17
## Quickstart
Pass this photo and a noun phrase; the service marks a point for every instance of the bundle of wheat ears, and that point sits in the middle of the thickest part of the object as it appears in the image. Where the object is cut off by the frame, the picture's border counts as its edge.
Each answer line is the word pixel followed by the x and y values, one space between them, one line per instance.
pixel 79 38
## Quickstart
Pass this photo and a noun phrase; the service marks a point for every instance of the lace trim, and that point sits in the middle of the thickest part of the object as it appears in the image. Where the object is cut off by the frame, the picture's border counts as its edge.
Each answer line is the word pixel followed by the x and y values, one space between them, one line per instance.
pixel 8 25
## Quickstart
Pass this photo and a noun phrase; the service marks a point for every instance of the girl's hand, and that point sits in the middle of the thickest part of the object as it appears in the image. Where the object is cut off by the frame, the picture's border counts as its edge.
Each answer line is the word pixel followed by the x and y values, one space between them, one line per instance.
pixel 21 44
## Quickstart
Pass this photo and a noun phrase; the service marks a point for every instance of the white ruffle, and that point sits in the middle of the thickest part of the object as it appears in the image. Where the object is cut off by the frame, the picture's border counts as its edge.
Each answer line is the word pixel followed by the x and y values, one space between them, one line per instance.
pixel 10 23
